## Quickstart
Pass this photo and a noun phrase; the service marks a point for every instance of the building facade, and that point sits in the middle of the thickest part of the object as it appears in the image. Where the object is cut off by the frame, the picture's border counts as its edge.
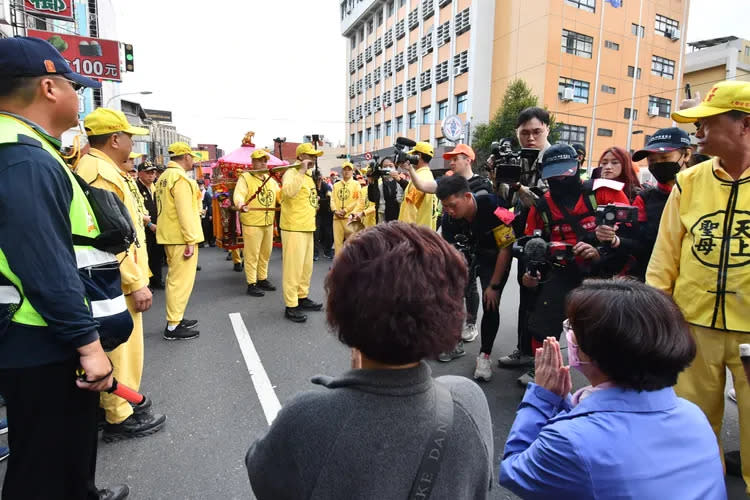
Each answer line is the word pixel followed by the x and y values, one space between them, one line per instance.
pixel 412 63
pixel 557 46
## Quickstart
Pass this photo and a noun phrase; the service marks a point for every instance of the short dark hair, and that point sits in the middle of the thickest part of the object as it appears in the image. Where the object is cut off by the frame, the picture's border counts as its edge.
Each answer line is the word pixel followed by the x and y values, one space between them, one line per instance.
pixel 634 333
pixel 736 114
pixel 425 157
pixel 177 157
pixel 420 315
pixel 527 114
pixel 19 87
pixel 451 185
pixel 96 141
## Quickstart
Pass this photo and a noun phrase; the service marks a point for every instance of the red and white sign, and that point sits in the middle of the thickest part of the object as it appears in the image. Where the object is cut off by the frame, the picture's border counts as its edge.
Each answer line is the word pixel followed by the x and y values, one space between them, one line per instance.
pixel 92 57
pixel 368 156
pixel 59 9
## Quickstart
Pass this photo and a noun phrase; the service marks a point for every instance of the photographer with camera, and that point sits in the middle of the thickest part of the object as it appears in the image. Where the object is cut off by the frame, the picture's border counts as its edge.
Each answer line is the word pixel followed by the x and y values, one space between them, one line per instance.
pixel 418 207
pixel 383 190
pixel 565 218
pixel 481 230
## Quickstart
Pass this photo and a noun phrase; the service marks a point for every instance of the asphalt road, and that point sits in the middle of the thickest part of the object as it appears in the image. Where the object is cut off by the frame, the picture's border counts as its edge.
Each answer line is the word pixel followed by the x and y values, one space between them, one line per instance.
pixel 214 413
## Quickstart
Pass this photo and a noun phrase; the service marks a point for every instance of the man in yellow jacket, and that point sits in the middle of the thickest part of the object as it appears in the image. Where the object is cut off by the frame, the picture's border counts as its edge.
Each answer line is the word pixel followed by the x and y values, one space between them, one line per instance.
pixel 345 200
pixel 255 197
pixel 111 139
pixel 179 204
pixel 418 207
pixel 702 254
pixel 299 202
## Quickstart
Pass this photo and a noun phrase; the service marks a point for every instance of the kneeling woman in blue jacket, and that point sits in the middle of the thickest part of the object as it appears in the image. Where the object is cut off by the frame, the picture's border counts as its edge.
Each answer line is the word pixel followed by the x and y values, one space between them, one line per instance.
pixel 627 435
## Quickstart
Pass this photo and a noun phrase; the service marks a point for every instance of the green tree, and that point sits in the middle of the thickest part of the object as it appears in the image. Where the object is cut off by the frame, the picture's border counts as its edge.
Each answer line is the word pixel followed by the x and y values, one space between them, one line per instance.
pixel 518 96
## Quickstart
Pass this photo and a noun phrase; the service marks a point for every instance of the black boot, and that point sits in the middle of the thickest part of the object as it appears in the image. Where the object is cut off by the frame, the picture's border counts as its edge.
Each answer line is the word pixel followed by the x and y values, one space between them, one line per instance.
pixel 254 291
pixel 308 305
pixel 266 285
pixel 136 425
pixel 295 314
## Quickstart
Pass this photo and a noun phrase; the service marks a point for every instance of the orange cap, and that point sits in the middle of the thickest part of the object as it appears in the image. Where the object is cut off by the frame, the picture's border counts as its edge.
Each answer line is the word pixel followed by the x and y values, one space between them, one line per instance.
pixel 460 149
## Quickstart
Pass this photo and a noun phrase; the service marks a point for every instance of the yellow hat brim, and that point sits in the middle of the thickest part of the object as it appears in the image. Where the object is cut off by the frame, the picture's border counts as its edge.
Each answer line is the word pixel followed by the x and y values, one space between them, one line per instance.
pixel 691 115
pixel 136 131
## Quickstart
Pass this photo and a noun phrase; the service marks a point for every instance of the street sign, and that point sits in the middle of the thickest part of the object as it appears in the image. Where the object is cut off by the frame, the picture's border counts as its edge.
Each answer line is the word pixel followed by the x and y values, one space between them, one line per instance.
pixel 453 128
pixel 368 156
pixel 58 9
pixel 92 57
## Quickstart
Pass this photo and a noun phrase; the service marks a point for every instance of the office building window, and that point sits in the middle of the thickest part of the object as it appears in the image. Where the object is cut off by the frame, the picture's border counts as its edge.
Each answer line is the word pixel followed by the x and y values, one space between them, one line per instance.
pixel 462 102
pixel 666 26
pixel 580 90
pixel 413 19
pixel 428 9
pixel 604 132
pixel 611 45
pixel 659 106
pixel 411 87
pixel 444 33
pixel 390 8
pixel 572 133
pixel 388 128
pixel 441 72
pixel 631 71
pixel 587 5
pixel 663 67
pixel 352 140
pixel 427 115
pixel 359 137
pixel 353 41
pixel 377 131
pixel 638 30
pixel 461 63
pixel 425 80
pixel 463 21
pixel 399 124
pixel 442 109
pixel 607 89
pixel 400 31
pixel 443 3
pixel 412 119
pixel 576 44
pixel 627 114
pixel 368 134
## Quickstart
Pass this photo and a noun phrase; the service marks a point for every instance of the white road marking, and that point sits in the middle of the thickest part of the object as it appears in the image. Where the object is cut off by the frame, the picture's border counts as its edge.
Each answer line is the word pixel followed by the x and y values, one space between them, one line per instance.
pixel 267 396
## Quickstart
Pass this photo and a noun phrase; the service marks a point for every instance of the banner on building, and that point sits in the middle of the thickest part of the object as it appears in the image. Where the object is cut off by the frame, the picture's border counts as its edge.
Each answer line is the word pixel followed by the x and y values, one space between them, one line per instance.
pixel 92 57
pixel 159 115
pixel 58 9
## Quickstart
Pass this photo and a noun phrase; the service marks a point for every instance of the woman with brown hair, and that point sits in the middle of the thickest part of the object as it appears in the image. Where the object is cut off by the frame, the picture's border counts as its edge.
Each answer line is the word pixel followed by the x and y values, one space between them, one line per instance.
pixel 615 164
pixel 395 294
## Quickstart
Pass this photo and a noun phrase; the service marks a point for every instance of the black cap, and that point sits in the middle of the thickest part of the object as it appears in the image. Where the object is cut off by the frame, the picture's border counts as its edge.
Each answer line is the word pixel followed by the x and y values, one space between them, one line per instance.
pixel 27 56
pixel 146 166
pixel 559 160
pixel 579 148
pixel 663 141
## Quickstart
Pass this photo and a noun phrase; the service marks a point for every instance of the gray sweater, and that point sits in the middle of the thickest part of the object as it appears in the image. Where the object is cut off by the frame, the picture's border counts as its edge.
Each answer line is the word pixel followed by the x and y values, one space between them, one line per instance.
pixel 364 439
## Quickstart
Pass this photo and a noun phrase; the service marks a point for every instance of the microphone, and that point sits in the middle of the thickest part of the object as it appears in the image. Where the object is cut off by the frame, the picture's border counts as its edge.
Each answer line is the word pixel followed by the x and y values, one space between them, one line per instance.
pixel 535 253
pixel 405 141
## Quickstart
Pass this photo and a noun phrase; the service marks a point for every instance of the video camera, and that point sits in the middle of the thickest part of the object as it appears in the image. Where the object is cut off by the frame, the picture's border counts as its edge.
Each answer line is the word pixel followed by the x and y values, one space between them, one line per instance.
pixel 375 168
pixel 402 147
pixel 536 253
pixel 611 214
pixel 462 244
pixel 511 167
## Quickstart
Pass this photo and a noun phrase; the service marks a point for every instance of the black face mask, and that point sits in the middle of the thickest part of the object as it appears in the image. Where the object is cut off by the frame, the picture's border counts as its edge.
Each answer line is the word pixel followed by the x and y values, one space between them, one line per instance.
pixel 565 190
pixel 664 171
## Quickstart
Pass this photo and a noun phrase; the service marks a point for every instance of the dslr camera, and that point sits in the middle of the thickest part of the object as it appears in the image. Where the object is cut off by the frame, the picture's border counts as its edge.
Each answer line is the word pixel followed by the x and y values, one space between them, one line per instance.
pixel 375 168
pixel 509 166
pixel 402 147
pixel 611 214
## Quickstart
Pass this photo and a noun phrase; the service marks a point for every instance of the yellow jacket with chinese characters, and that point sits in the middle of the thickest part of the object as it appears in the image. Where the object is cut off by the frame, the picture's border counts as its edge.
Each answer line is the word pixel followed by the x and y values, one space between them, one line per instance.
pixel 702 252
pixel 299 201
pixel 98 169
pixel 367 208
pixel 418 207
pixel 179 203
pixel 346 197
pixel 262 205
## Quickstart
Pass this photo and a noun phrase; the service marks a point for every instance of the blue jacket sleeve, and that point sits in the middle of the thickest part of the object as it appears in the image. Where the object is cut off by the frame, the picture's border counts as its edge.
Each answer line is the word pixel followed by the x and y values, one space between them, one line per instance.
pixel 539 461
pixel 35 235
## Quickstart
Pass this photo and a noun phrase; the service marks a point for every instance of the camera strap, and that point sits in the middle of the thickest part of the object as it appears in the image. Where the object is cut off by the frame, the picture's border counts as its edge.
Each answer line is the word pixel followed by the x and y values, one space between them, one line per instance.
pixel 429 468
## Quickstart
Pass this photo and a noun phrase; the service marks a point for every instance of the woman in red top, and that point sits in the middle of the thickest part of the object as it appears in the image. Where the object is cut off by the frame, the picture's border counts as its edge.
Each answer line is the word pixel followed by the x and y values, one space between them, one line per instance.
pixel 616 165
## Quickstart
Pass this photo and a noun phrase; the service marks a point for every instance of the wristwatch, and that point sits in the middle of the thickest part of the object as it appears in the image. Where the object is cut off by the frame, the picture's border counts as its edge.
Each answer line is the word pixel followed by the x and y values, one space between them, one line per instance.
pixel 496 286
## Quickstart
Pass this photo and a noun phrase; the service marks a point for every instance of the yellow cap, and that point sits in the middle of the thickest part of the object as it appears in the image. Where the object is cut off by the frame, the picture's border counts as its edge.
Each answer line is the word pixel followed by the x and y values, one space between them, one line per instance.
pixel 181 148
pixel 347 164
pixel 103 121
pixel 133 156
pixel 260 153
pixel 307 148
pixel 724 96
pixel 423 147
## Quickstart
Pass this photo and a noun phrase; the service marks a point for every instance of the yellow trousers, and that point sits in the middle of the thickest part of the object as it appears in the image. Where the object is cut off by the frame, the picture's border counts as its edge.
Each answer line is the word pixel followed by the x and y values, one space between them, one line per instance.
pixel 127 360
pixel 703 384
pixel 339 226
pixel 297 265
pixel 236 256
pixel 258 246
pixel 180 280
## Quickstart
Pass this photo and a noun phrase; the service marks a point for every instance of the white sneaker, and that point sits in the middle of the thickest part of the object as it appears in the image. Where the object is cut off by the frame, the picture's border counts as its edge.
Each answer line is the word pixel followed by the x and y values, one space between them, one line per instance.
pixel 483 370
pixel 470 333
pixel 732 394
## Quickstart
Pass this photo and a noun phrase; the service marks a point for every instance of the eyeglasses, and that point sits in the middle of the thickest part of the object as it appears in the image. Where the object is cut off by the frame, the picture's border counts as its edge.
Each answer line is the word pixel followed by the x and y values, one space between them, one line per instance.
pixel 77 87
pixel 527 133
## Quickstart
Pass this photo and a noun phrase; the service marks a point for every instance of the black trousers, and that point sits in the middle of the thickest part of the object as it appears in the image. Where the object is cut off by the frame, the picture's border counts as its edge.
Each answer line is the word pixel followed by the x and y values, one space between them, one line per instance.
pixel 207 224
pixel 51 432
pixel 324 231
pixel 526 298
pixel 156 257
pixel 483 269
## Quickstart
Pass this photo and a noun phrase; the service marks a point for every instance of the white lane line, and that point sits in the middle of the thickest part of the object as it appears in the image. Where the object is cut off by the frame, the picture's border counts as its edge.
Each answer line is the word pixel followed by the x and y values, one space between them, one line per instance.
pixel 263 387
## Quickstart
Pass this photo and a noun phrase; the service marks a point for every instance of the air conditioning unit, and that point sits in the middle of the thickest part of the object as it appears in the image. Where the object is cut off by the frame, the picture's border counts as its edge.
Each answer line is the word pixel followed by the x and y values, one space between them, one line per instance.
pixel 568 94
pixel 673 34
pixel 653 110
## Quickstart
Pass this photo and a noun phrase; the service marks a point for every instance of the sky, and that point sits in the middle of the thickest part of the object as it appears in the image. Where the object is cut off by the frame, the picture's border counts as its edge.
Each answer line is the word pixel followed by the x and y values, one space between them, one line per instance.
pixel 278 68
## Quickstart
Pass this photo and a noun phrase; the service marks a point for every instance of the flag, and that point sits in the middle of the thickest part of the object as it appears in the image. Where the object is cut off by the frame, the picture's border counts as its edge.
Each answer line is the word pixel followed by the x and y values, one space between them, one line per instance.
pixel 615 3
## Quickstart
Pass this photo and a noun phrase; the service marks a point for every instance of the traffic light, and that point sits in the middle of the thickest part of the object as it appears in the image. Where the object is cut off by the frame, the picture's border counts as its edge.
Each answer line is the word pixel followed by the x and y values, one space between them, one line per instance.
pixel 128 57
